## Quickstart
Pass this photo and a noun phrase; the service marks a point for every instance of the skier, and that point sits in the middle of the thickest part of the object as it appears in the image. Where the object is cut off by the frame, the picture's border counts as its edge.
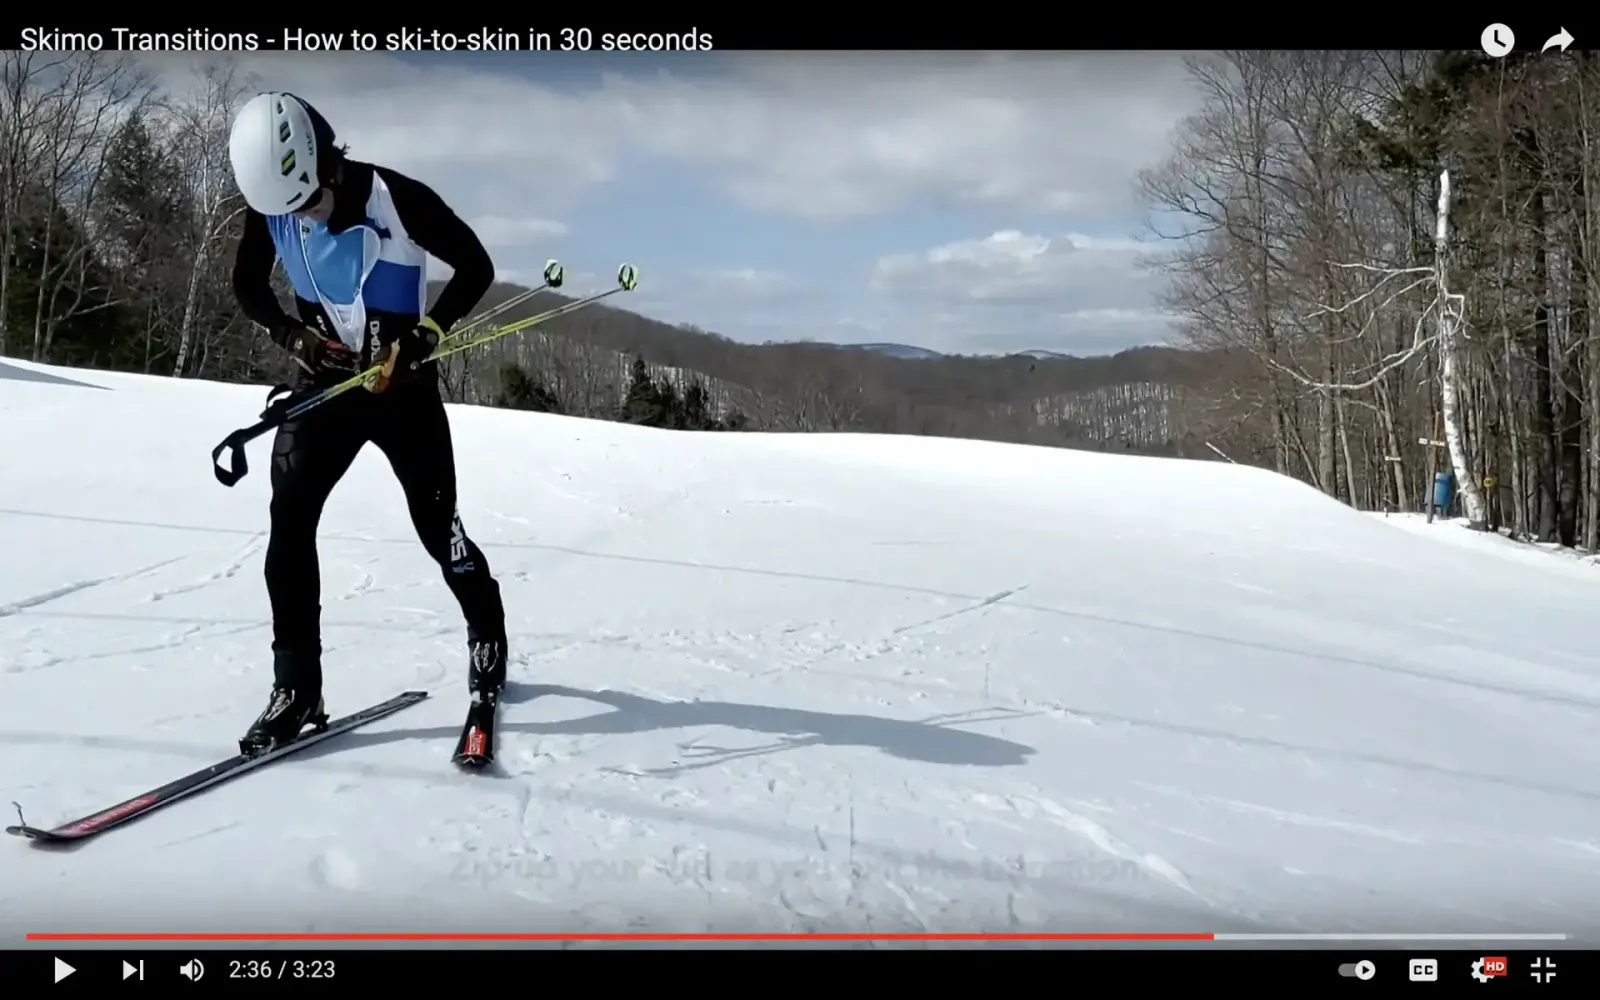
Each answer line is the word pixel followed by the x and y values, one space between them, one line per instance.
pixel 353 239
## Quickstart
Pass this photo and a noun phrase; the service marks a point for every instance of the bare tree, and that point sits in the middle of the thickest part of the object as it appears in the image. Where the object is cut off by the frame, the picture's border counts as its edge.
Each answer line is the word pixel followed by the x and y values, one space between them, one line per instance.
pixel 27 79
pixel 76 118
pixel 201 124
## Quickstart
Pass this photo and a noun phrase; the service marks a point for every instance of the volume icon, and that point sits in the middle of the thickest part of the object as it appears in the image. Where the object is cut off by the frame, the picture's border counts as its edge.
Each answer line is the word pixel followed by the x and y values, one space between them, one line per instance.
pixel 192 970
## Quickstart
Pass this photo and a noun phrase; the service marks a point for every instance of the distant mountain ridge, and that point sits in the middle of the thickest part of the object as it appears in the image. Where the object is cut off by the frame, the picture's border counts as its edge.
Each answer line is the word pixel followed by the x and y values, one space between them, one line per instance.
pixel 894 350
pixel 1137 399
pixel 909 352
pixel 647 330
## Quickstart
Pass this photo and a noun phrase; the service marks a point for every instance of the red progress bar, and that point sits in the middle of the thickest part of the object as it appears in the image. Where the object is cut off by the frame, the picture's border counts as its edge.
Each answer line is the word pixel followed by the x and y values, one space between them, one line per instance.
pixel 420 938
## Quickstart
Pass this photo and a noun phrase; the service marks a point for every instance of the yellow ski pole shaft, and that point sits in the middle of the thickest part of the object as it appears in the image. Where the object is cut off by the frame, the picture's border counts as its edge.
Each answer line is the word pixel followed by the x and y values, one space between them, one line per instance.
pixel 554 277
pixel 489 337
pixel 627 281
pixel 277 414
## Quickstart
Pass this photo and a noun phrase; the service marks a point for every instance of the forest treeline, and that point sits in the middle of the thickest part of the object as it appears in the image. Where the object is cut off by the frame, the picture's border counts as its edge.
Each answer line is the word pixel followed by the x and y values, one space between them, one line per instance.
pixel 1311 183
pixel 1325 332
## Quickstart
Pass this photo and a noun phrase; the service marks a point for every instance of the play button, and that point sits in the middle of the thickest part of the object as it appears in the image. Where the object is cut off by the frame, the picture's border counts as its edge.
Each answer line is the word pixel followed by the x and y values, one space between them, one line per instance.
pixel 63 970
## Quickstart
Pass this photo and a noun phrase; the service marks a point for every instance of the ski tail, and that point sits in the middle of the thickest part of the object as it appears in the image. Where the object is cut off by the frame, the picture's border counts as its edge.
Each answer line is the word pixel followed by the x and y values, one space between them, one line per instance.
pixel 208 777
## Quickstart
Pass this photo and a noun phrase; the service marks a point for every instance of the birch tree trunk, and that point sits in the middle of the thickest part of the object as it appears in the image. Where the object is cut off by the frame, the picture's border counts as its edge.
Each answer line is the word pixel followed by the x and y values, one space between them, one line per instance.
pixel 1450 320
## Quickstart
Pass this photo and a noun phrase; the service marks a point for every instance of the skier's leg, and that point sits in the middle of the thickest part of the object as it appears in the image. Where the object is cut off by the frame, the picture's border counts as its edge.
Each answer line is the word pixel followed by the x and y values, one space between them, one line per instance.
pixel 414 433
pixel 308 460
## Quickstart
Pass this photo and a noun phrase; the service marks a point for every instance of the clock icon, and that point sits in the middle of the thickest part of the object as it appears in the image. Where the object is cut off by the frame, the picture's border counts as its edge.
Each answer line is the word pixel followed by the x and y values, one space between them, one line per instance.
pixel 1498 40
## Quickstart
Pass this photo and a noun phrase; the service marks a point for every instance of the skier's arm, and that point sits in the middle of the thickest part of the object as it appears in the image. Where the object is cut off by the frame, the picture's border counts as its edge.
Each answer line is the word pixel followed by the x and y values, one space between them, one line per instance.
pixel 436 228
pixel 252 279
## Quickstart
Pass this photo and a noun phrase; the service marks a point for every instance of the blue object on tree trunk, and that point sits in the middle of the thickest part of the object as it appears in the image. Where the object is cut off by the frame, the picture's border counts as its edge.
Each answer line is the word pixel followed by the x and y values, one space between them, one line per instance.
pixel 1444 488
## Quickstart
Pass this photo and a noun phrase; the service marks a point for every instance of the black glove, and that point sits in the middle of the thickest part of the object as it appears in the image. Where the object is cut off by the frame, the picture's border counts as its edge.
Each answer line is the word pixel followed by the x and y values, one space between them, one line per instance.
pixel 401 357
pixel 318 354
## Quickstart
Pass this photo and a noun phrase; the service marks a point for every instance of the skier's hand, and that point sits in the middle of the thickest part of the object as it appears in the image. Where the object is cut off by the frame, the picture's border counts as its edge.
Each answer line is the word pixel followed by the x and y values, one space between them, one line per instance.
pixel 401 357
pixel 318 354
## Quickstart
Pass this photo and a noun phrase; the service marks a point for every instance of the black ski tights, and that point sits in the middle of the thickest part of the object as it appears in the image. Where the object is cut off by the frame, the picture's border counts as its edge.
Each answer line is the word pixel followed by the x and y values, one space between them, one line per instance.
pixel 409 425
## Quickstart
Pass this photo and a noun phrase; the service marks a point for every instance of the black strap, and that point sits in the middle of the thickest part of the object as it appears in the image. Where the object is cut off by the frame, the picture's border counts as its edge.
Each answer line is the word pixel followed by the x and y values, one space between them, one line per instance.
pixel 234 443
pixel 279 401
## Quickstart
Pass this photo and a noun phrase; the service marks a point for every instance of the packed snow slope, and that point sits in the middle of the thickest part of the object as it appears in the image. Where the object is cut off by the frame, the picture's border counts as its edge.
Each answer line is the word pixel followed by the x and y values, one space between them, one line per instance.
pixel 786 683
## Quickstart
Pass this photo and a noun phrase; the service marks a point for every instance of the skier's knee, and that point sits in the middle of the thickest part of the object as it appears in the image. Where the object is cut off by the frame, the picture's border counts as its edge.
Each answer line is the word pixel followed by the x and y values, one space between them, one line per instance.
pixel 446 541
pixel 292 513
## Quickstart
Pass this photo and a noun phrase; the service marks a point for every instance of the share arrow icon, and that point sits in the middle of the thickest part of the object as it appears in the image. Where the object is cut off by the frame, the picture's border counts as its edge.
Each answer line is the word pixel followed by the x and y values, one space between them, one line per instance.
pixel 1558 41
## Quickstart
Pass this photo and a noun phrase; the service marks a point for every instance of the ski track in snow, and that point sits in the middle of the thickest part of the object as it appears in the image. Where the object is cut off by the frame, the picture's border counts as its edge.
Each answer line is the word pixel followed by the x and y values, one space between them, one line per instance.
pixel 257 543
pixel 42 598
pixel 792 683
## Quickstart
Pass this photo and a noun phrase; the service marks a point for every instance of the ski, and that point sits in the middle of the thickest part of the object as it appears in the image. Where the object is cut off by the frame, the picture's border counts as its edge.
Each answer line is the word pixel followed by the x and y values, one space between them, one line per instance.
pixel 475 748
pixel 209 777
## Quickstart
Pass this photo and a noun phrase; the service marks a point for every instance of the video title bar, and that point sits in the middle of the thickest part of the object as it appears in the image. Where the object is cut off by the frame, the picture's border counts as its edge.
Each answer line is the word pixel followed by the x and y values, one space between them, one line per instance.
pixel 1188 29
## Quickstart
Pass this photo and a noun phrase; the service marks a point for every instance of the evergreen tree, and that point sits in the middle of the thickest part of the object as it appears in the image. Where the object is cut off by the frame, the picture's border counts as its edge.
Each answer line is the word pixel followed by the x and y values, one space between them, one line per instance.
pixel 669 408
pixel 695 416
pixel 640 403
pixel 520 390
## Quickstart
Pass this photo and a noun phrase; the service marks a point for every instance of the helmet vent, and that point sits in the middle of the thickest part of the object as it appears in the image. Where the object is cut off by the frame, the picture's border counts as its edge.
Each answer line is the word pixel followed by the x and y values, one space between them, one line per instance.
pixel 284 132
pixel 288 163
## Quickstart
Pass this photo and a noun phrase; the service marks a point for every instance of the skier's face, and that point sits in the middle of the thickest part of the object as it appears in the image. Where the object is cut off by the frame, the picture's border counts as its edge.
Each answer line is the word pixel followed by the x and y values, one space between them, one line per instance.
pixel 318 208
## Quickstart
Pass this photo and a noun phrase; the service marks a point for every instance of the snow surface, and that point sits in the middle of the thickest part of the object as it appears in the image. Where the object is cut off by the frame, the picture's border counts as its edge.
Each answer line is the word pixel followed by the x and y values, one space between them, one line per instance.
pixel 787 683
pixel 1581 565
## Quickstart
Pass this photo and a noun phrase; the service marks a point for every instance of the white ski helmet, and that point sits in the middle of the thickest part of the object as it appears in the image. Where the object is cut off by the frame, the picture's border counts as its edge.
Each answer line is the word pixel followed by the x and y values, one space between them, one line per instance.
pixel 274 152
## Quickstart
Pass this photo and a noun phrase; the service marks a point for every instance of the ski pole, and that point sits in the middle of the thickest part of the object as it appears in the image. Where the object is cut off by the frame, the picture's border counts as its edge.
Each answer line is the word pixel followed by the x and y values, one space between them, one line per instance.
pixel 445 351
pixel 554 276
pixel 280 412
pixel 456 342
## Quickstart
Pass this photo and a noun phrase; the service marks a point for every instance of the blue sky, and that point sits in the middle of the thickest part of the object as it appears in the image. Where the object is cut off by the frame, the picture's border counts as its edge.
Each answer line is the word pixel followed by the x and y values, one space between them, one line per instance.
pixel 957 201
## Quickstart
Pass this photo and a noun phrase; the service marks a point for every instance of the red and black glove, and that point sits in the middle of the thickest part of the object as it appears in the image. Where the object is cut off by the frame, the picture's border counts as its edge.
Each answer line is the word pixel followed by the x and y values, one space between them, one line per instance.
pixel 320 355
pixel 400 358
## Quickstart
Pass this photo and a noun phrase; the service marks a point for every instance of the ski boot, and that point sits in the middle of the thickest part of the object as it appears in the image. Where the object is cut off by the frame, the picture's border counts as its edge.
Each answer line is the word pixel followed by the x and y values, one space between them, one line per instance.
pixel 486 673
pixel 289 712
pixel 486 678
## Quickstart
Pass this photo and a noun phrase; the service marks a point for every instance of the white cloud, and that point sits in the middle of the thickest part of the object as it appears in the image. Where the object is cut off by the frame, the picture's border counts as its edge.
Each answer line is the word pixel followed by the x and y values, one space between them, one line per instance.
pixel 498 231
pixel 821 136
pixel 855 134
pixel 816 134
pixel 755 304
pixel 1015 291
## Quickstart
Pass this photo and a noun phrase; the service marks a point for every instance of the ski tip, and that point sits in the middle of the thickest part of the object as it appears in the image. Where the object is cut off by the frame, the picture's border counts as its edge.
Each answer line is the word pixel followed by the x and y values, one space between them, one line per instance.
pixel 415 695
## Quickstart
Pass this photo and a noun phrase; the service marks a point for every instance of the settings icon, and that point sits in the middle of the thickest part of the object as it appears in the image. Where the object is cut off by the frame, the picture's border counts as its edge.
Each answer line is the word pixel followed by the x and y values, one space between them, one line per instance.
pixel 1489 967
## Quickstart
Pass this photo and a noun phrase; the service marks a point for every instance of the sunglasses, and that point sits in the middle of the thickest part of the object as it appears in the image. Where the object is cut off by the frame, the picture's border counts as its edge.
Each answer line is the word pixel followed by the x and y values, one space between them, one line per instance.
pixel 312 203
